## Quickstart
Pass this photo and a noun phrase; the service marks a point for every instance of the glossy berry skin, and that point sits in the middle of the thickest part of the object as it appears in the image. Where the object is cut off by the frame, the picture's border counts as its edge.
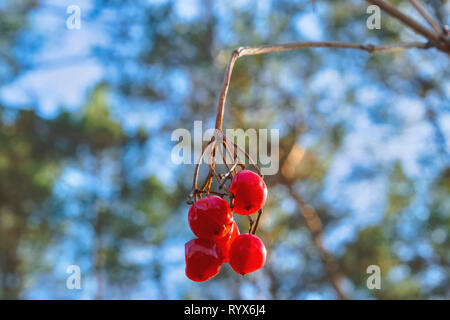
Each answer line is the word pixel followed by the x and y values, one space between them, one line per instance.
pixel 210 218
pixel 225 242
pixel 247 254
pixel 203 259
pixel 250 192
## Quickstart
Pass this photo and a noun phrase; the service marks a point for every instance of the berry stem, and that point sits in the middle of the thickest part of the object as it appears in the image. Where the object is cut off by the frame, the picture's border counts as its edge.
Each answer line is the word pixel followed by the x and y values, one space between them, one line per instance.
pixel 250 220
pixel 257 221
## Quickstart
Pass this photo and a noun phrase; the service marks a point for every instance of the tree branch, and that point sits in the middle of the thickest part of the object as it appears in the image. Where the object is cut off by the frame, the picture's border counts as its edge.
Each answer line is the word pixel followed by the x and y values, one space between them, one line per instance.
pixel 254 50
pixel 425 15
pixel 314 225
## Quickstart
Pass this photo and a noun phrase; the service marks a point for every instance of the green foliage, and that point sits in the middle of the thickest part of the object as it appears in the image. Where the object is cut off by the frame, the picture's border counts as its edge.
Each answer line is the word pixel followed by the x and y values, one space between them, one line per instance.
pixel 401 191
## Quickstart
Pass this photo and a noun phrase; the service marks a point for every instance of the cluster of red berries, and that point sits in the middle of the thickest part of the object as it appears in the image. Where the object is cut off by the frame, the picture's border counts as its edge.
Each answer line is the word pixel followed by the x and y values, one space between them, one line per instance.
pixel 219 240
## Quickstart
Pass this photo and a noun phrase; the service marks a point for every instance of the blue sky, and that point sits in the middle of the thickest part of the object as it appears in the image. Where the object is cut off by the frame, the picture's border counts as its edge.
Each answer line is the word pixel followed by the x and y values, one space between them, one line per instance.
pixel 65 68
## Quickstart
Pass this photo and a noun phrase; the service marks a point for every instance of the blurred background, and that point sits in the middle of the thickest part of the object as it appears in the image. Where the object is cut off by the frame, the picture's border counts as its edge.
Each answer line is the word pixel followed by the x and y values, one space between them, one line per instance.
pixel 86 118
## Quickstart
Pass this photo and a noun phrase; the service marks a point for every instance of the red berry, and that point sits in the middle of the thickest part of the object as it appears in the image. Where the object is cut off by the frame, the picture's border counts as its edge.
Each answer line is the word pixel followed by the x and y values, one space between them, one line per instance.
pixel 203 259
pixel 210 218
pixel 225 242
pixel 250 192
pixel 247 254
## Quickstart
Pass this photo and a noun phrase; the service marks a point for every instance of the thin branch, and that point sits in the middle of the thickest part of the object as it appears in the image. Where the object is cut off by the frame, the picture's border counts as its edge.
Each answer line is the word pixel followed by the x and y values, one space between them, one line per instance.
pixel 247 51
pixel 425 15
pixel 196 171
pixel 257 221
pixel 251 222
pixel 247 156
pixel 314 224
